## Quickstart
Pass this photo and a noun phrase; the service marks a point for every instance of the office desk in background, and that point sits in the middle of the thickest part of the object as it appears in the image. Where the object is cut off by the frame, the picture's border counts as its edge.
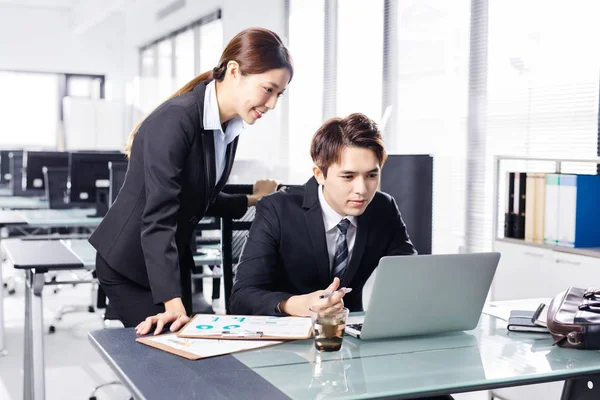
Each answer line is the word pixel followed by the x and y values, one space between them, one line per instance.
pixel 39 219
pixel 69 218
pixel 22 203
pixel 482 359
pixel 36 257
pixel 7 218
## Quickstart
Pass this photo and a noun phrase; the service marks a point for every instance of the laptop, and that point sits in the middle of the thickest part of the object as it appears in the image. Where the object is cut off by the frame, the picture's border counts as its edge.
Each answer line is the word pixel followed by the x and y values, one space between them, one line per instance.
pixel 426 294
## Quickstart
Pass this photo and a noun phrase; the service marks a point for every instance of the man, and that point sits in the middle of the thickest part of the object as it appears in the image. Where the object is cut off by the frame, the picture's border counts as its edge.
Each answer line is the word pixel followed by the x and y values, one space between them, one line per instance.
pixel 329 233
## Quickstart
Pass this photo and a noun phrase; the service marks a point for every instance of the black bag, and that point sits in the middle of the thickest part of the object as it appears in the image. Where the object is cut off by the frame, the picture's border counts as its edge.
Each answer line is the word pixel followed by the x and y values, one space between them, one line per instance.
pixel 574 318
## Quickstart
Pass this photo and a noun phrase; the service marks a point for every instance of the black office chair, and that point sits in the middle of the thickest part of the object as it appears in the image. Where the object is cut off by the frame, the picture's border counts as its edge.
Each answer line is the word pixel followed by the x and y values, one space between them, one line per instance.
pixel 16 173
pixel 117 171
pixel 55 182
pixel 233 237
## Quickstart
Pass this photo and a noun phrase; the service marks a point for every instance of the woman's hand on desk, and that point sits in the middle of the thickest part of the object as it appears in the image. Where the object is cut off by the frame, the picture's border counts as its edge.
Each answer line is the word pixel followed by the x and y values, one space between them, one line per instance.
pixel 174 312
pixel 260 189
pixel 299 306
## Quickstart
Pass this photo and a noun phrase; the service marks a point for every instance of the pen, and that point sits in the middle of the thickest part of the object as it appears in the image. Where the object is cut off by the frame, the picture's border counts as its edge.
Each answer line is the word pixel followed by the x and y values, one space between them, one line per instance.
pixel 329 294
pixel 537 312
pixel 241 334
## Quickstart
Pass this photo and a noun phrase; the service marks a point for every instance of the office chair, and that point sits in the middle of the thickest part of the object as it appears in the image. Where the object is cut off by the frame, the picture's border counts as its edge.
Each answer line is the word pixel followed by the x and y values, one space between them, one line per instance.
pixel 103 385
pixel 117 171
pixel 16 172
pixel 233 238
pixel 55 186
pixel 201 244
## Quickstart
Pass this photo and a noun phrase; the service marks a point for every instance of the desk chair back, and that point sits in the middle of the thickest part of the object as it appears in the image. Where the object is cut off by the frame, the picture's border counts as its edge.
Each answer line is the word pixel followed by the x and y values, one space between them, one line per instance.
pixel 55 186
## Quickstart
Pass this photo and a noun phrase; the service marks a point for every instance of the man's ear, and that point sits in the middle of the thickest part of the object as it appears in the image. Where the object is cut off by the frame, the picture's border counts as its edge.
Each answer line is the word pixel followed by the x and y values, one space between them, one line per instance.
pixel 319 175
pixel 233 69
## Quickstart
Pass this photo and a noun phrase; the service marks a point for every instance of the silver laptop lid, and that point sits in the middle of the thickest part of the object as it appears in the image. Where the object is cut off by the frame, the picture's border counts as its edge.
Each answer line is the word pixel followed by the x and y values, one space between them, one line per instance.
pixel 415 295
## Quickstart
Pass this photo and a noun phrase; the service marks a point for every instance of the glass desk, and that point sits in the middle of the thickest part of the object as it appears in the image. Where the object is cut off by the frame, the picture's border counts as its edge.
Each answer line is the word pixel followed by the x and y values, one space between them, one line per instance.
pixel 87 253
pixel 22 203
pixel 75 217
pixel 485 358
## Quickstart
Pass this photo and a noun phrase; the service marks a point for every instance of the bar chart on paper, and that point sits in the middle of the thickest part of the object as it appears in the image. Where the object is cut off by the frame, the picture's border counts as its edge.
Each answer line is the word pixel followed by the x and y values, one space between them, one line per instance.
pixel 247 327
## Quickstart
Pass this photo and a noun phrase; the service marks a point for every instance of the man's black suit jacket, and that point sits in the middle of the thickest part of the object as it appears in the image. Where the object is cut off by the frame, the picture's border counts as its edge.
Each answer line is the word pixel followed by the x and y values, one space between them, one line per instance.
pixel 286 251
pixel 170 185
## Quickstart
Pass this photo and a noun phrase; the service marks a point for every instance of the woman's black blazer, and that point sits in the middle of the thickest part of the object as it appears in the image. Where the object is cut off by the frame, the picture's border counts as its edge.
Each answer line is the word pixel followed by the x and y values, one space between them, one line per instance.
pixel 169 186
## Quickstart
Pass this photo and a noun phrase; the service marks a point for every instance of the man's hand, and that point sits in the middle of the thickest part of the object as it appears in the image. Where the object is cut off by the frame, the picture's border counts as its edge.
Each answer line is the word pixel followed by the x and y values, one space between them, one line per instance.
pixel 174 312
pixel 300 305
pixel 261 188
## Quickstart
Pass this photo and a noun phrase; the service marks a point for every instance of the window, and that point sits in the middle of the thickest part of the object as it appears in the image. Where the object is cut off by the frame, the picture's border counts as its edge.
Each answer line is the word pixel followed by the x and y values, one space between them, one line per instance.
pixel 359 57
pixel 306 90
pixel 165 68
pixel 184 58
pixel 431 110
pixel 210 45
pixel 542 87
pixel 18 127
pixel 148 61
pixel 85 86
pixel 169 62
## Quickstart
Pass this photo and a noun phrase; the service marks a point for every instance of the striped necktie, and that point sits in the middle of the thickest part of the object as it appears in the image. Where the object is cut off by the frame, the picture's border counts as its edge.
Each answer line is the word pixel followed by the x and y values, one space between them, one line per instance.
pixel 340 260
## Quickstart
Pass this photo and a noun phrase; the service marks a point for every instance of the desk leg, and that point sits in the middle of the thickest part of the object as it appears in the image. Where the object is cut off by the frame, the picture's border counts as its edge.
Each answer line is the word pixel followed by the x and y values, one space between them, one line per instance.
pixel 227 258
pixel 3 351
pixel 37 335
pixel 582 389
pixel 27 342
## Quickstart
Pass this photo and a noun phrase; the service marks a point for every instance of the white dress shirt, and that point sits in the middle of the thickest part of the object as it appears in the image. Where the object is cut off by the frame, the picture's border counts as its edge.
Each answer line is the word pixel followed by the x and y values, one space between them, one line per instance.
pixel 212 120
pixel 331 219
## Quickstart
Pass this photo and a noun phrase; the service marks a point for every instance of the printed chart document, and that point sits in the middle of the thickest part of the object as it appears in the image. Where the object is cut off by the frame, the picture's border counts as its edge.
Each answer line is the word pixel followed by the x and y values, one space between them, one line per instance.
pixel 246 327
pixel 194 349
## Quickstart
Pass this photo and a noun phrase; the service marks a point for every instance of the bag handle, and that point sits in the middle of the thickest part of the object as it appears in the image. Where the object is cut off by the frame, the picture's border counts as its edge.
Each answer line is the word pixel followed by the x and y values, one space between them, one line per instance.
pixel 590 306
pixel 591 293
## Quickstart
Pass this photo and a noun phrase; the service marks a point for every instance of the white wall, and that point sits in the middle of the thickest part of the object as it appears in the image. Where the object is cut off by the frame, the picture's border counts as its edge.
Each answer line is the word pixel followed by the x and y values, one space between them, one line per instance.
pixel 143 27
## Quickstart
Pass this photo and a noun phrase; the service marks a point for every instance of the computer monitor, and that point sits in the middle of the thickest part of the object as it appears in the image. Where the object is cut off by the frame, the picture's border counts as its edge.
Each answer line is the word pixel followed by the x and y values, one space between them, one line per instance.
pixel 4 167
pixel 35 161
pixel 88 170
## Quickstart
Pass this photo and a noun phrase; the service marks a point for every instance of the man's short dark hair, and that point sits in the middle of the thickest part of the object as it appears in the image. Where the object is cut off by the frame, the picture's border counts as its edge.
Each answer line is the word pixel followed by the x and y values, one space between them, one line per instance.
pixel 356 130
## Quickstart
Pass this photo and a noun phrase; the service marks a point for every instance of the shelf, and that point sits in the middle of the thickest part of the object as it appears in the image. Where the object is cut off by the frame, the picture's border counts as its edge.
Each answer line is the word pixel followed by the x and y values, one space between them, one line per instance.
pixel 588 251
pixel 556 160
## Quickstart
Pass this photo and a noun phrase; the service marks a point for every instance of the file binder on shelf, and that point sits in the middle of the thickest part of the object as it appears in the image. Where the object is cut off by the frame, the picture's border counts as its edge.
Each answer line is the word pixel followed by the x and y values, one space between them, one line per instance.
pixel 539 207
pixel 519 205
pixel 579 214
pixel 530 207
pixel 510 201
pixel 552 205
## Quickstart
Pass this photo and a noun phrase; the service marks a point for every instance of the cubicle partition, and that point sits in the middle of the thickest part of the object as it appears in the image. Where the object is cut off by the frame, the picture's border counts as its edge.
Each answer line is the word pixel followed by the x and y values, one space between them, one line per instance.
pixel 408 178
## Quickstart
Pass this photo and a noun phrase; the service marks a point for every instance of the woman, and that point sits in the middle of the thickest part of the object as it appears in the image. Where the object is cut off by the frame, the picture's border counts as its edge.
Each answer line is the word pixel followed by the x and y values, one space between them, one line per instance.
pixel 180 157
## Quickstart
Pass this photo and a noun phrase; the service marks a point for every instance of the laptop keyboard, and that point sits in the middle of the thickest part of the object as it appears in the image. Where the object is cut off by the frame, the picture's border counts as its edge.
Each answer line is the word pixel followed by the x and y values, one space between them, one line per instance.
pixel 357 327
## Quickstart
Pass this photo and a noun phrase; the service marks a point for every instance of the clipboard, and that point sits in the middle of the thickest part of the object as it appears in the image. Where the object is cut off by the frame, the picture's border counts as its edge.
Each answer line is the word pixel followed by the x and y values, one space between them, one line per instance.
pixel 244 327
pixel 195 349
